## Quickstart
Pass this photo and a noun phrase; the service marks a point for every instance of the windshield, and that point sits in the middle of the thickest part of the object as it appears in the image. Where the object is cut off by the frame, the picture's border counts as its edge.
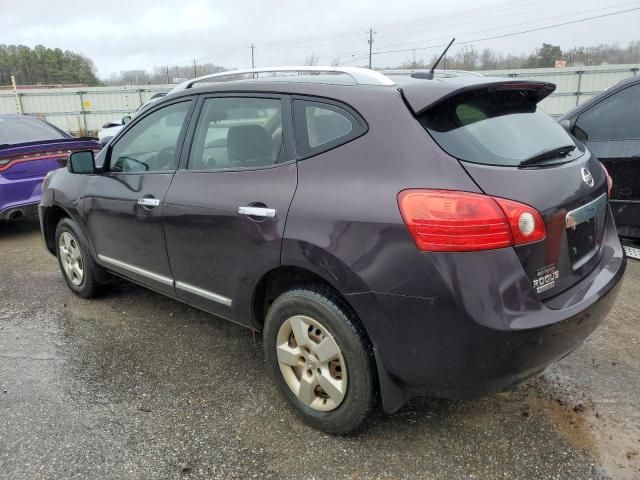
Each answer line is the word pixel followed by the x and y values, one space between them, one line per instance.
pixel 16 129
pixel 495 128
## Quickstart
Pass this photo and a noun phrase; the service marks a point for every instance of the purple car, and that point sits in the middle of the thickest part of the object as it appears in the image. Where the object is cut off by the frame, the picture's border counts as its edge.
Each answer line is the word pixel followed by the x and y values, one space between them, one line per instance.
pixel 29 149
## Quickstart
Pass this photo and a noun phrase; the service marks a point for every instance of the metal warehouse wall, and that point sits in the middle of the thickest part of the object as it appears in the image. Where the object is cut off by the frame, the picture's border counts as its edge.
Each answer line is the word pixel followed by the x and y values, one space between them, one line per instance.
pixel 79 110
pixel 85 110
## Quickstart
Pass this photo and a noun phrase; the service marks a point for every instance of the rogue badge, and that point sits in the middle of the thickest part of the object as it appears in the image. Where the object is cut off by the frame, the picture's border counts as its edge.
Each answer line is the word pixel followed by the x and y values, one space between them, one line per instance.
pixel 546 278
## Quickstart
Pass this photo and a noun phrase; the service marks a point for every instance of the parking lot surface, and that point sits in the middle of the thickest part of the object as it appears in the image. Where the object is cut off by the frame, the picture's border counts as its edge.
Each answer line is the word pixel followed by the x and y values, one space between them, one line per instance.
pixel 135 385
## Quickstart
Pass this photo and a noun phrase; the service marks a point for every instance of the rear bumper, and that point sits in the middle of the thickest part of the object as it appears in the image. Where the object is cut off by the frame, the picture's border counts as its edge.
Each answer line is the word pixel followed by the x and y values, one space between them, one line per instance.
pixel 17 211
pixel 18 194
pixel 486 331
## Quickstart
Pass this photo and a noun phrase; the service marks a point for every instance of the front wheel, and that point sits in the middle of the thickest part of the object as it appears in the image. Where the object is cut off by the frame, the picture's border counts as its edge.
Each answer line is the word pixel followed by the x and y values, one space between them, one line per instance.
pixel 321 359
pixel 74 259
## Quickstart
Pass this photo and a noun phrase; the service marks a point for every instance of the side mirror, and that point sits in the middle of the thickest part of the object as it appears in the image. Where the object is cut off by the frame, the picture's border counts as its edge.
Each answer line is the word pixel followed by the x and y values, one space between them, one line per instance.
pixel 82 162
pixel 126 119
pixel 566 124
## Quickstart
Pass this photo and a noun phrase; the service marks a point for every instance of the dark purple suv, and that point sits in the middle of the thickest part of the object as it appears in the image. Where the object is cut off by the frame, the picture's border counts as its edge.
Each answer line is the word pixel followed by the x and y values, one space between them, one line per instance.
pixel 389 235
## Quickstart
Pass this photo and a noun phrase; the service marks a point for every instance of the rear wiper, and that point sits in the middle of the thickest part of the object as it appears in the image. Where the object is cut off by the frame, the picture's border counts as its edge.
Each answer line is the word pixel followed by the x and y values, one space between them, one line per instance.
pixel 547 154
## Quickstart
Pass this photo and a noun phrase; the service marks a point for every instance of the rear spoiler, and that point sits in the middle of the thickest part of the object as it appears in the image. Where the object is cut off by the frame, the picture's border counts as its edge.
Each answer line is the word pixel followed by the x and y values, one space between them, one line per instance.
pixel 63 144
pixel 415 98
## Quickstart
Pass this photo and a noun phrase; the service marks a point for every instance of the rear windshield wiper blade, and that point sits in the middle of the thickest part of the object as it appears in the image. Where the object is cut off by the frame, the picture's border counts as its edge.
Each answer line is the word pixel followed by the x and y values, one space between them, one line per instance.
pixel 547 154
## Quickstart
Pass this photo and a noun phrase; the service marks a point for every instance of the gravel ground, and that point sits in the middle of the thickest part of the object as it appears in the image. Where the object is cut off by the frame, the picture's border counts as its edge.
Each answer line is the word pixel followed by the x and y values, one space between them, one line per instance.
pixel 135 385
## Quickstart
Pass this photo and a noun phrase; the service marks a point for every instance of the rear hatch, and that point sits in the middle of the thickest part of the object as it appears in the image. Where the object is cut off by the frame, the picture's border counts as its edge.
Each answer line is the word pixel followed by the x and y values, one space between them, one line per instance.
pixel 513 150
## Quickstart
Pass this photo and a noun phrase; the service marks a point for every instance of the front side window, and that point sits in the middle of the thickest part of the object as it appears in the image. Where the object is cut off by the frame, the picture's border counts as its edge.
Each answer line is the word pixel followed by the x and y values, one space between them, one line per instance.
pixel 322 126
pixel 614 118
pixel 237 132
pixel 151 145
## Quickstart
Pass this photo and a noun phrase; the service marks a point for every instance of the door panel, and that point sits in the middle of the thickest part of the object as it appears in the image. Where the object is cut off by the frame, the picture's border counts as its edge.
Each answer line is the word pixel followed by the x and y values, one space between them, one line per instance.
pixel 225 212
pixel 123 207
pixel 124 232
pixel 213 247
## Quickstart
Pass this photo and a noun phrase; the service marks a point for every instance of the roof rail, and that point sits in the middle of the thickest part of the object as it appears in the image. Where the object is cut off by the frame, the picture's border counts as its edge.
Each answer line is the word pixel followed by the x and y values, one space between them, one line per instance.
pixel 411 71
pixel 361 76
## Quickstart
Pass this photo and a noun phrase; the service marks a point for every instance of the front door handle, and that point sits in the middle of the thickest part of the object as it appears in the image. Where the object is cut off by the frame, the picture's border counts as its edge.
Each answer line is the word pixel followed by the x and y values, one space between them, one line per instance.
pixel 149 202
pixel 257 212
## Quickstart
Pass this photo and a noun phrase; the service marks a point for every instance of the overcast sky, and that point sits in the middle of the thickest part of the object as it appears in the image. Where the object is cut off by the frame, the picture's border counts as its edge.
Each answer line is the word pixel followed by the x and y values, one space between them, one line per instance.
pixel 125 35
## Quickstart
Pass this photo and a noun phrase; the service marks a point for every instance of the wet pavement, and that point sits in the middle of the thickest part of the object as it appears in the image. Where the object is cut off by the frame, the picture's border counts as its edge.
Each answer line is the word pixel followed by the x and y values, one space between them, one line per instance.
pixel 136 385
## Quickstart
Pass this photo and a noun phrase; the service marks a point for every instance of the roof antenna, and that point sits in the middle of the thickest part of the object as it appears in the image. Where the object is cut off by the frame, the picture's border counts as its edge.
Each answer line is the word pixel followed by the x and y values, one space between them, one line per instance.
pixel 429 75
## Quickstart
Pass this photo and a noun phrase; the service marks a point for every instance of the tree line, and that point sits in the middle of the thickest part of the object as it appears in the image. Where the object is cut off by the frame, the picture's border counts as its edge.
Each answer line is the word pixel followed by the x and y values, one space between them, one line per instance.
pixel 162 74
pixel 42 65
pixel 469 58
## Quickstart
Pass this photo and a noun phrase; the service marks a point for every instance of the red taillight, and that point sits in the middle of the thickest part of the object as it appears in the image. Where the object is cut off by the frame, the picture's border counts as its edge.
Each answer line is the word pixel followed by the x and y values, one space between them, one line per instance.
pixel 7 163
pixel 450 221
pixel 609 180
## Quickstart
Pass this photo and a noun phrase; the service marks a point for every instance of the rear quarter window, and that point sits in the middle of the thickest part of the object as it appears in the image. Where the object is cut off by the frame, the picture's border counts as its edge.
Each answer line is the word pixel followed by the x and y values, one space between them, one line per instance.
pixel 495 128
pixel 321 126
pixel 16 129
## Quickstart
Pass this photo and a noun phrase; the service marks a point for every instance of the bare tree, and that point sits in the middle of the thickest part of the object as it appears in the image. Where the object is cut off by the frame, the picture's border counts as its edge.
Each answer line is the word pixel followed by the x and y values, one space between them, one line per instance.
pixel 311 60
pixel 488 59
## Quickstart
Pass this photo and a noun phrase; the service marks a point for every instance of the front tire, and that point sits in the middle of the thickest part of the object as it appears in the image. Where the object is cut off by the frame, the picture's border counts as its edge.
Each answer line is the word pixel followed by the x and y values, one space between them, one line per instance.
pixel 321 359
pixel 74 259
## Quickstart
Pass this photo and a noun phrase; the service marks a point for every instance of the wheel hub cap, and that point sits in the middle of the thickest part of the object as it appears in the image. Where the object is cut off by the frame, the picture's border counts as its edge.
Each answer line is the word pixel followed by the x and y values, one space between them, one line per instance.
pixel 311 363
pixel 71 258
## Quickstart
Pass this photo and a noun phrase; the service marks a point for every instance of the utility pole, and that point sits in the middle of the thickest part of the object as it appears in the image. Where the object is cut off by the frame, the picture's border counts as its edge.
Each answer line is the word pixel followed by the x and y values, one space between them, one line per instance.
pixel 194 68
pixel 167 74
pixel 371 32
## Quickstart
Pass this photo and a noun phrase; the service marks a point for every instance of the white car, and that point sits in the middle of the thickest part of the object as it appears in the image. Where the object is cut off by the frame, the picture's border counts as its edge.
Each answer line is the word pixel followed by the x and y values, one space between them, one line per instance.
pixel 111 129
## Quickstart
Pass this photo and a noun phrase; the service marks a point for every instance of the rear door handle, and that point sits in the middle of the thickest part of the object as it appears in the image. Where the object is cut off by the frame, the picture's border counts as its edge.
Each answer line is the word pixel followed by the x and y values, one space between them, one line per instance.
pixel 257 211
pixel 149 202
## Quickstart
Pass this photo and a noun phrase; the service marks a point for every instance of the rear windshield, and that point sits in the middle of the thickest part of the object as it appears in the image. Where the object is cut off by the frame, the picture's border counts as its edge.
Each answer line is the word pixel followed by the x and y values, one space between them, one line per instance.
pixel 495 128
pixel 22 129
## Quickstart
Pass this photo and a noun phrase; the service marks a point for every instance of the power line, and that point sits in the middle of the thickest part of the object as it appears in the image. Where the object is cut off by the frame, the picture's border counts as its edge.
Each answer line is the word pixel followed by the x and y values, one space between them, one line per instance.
pixel 515 33
pixel 415 45
pixel 355 55
pixel 555 17
pixel 460 13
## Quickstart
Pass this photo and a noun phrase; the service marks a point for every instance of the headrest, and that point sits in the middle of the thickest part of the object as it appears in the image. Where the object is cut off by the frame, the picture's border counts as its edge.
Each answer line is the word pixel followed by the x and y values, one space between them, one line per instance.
pixel 248 142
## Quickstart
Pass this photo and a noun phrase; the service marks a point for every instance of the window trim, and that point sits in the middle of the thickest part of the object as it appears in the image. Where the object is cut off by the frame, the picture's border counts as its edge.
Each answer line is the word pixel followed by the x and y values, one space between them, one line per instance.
pixel 305 151
pixel 287 154
pixel 137 119
pixel 611 94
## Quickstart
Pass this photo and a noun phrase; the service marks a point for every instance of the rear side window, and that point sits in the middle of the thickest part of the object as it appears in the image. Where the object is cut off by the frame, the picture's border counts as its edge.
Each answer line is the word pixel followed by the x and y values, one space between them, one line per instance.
pixel 615 118
pixel 322 126
pixel 236 133
pixel 494 128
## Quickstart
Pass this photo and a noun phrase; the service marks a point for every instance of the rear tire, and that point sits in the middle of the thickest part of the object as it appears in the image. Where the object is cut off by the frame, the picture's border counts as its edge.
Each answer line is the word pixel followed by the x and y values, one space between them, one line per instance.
pixel 321 359
pixel 75 261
